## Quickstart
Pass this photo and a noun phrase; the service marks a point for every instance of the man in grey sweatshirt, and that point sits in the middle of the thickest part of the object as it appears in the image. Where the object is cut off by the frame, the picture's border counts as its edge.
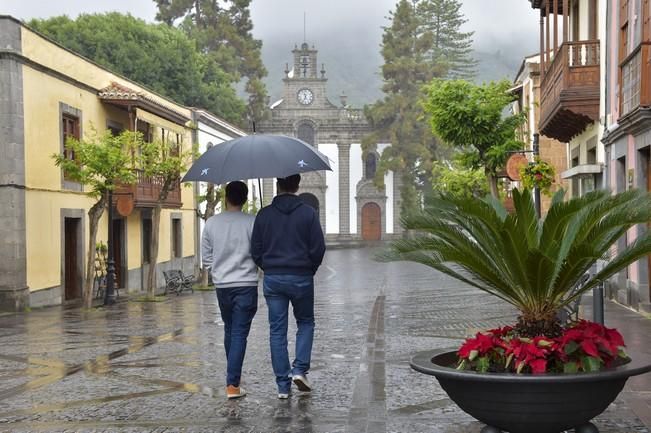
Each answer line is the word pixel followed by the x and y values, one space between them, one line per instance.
pixel 225 250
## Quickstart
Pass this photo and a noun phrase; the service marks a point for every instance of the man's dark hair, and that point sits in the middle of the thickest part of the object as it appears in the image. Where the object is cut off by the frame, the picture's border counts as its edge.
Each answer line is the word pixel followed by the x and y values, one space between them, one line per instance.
pixel 236 193
pixel 289 183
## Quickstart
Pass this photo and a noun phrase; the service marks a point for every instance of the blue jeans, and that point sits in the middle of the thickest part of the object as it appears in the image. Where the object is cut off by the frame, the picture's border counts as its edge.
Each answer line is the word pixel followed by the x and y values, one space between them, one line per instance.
pixel 279 291
pixel 237 305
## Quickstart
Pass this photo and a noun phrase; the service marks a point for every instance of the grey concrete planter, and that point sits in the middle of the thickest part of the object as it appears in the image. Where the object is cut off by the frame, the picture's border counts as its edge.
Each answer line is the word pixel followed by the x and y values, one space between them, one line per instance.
pixel 549 403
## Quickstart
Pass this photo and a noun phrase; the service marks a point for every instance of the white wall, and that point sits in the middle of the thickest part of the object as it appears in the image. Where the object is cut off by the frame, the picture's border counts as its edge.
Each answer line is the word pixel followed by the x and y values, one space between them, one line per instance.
pixel 332 191
pixel 355 176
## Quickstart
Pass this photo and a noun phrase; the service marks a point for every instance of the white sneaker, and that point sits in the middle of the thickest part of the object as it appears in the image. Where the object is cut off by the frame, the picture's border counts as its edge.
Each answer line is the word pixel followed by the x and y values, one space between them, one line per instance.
pixel 283 395
pixel 301 383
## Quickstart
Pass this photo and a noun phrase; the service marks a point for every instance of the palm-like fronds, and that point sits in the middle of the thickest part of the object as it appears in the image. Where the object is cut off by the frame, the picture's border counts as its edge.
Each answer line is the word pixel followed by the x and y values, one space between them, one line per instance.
pixel 530 263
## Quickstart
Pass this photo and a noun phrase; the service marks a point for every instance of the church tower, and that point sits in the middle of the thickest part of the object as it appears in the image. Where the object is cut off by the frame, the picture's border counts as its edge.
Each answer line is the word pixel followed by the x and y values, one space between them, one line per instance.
pixel 350 207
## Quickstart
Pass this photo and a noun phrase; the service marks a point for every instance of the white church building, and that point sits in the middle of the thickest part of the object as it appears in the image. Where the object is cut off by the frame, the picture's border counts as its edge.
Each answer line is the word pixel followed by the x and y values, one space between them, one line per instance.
pixel 350 205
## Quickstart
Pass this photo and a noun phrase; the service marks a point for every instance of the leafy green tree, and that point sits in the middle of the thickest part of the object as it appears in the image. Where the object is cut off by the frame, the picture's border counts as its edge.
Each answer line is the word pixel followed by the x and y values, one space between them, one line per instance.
pixel 164 160
pixel 532 264
pixel 450 46
pixel 222 30
pixel 101 162
pixel 396 119
pixel 452 178
pixel 160 57
pixel 471 118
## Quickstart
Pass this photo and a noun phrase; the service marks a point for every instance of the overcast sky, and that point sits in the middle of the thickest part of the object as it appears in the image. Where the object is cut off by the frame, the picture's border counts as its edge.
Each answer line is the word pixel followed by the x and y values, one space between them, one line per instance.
pixel 493 20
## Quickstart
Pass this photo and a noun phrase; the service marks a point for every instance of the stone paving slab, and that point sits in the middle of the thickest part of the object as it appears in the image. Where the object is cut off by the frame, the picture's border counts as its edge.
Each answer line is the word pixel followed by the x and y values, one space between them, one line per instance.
pixel 159 367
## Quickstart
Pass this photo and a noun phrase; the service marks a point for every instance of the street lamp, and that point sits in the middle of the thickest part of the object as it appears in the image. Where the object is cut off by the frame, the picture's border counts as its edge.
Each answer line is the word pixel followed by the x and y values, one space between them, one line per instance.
pixel 536 189
pixel 109 295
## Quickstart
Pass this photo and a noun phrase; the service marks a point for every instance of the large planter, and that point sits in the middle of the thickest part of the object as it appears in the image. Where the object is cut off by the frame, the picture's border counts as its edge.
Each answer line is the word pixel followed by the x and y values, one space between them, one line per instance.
pixel 547 403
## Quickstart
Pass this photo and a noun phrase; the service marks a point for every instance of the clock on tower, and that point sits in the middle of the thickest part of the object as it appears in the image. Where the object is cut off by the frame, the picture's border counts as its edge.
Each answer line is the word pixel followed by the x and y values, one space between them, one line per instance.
pixel 305 96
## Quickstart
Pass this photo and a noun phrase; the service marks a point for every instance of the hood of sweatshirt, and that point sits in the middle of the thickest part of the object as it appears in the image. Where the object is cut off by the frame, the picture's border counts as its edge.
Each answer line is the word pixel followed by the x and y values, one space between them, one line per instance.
pixel 286 203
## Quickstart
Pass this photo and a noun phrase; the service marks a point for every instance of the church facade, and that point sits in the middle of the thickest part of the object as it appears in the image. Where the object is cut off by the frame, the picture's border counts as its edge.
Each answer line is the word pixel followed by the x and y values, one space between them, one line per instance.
pixel 350 205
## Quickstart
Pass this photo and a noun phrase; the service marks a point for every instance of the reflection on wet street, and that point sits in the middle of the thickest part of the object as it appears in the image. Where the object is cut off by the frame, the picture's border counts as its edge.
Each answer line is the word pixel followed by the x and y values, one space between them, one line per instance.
pixel 161 367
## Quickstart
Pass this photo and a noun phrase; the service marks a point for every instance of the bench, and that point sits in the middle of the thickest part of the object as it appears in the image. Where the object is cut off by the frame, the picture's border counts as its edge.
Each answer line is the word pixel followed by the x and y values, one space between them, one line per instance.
pixel 177 282
pixel 570 313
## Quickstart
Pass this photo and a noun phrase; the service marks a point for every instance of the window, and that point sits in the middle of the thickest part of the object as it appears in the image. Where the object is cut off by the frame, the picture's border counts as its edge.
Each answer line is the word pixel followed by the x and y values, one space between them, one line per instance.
pixel 592 20
pixel 370 165
pixel 592 155
pixel 177 245
pixel 146 130
pixel 146 240
pixel 70 130
pixel 306 133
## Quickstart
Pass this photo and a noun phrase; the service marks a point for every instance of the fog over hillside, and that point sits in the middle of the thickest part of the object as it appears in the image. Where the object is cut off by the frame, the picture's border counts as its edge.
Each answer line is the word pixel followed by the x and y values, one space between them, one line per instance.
pixel 347 34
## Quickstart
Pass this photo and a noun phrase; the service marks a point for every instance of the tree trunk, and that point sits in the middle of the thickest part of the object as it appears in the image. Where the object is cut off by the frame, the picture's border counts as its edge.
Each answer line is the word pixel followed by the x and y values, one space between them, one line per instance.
pixel 212 198
pixel 492 183
pixel 155 228
pixel 94 215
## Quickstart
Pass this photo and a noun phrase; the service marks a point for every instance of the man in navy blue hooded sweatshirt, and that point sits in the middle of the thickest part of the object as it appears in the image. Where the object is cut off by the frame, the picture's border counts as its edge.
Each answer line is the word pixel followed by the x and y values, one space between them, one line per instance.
pixel 287 244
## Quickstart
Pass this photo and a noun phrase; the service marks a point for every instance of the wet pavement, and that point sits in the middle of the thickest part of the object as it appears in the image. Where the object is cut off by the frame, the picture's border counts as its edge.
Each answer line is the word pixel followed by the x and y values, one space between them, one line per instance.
pixel 160 367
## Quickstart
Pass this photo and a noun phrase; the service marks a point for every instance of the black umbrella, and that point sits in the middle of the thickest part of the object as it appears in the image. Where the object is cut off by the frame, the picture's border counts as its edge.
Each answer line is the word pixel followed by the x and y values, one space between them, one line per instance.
pixel 256 156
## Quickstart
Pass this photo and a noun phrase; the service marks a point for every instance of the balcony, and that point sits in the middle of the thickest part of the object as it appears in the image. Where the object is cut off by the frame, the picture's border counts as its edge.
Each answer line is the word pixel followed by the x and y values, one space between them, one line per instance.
pixel 636 79
pixel 146 190
pixel 570 91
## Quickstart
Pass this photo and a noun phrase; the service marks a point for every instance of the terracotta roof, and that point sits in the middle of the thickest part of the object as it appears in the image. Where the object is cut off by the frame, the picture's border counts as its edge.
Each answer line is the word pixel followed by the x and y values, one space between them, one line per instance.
pixel 118 94
pixel 117 91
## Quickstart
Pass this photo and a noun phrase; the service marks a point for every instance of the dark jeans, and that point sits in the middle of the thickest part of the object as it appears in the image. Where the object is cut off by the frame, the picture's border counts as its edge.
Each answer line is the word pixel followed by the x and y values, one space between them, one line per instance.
pixel 238 305
pixel 279 291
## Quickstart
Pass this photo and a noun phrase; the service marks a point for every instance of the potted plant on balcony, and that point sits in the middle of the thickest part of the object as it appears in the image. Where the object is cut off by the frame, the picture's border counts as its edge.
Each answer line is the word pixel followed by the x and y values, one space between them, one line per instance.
pixel 540 375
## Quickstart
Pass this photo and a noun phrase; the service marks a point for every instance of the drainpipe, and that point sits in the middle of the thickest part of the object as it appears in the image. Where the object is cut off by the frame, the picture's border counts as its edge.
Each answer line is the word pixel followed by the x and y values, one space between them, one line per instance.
pixel 195 205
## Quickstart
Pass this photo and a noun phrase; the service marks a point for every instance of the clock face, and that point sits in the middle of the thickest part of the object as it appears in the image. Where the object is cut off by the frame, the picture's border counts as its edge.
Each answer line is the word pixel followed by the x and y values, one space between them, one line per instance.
pixel 305 96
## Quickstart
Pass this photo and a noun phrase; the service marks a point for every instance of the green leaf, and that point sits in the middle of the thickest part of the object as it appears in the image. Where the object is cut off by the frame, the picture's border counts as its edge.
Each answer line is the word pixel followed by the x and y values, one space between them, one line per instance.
pixel 483 364
pixel 570 367
pixel 591 364
pixel 571 347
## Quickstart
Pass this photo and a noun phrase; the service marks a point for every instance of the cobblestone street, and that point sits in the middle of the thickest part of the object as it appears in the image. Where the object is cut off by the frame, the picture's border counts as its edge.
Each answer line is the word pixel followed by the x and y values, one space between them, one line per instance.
pixel 160 366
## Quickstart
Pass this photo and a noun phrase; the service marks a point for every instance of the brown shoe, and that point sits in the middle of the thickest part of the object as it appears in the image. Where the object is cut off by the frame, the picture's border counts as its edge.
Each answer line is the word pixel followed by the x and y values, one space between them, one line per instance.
pixel 234 392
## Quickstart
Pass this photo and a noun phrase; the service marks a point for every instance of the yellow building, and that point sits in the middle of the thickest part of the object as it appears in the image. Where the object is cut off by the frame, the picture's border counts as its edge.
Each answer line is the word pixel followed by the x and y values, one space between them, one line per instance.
pixel 47 93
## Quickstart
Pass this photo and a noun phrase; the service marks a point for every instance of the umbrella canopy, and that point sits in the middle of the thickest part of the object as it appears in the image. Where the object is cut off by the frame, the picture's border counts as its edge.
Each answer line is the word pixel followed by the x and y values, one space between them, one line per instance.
pixel 256 156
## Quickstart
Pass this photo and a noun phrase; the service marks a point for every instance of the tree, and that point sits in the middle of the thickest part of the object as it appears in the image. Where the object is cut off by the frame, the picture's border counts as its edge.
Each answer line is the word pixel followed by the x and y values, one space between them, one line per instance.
pixel 163 160
pixel 222 30
pixel 533 264
pixel 454 179
pixel 160 57
pixel 450 47
pixel 423 42
pixel 471 118
pixel 101 162
pixel 397 118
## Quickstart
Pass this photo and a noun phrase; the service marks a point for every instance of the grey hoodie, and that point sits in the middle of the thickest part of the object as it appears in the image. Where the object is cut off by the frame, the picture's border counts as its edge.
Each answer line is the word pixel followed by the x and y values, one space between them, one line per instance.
pixel 226 250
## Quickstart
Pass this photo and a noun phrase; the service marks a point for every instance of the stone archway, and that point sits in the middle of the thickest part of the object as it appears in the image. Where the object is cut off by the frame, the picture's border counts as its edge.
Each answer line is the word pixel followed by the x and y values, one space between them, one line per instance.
pixel 371 222
pixel 310 200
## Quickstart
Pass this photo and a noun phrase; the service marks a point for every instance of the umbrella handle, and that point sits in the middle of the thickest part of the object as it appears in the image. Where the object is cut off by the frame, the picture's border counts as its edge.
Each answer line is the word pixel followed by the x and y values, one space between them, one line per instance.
pixel 260 192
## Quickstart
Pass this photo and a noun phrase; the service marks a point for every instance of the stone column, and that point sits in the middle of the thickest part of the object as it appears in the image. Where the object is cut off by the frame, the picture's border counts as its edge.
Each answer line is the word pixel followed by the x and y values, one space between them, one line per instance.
pixel 267 191
pixel 397 203
pixel 344 189
pixel 14 294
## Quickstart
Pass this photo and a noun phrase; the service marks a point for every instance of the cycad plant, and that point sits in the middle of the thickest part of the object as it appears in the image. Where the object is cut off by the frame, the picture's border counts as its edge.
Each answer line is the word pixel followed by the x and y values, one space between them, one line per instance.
pixel 532 264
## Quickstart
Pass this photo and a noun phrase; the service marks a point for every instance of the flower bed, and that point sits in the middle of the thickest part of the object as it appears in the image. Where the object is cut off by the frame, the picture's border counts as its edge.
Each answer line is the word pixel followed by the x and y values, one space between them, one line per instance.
pixel 582 347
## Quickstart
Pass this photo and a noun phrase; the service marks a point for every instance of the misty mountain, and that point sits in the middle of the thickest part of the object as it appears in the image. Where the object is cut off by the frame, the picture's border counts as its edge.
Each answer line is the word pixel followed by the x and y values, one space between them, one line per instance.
pixel 356 71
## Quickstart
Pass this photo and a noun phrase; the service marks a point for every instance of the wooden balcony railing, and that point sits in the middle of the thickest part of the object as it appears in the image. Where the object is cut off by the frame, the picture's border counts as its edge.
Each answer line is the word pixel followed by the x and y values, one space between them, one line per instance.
pixel 569 99
pixel 146 190
pixel 635 82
